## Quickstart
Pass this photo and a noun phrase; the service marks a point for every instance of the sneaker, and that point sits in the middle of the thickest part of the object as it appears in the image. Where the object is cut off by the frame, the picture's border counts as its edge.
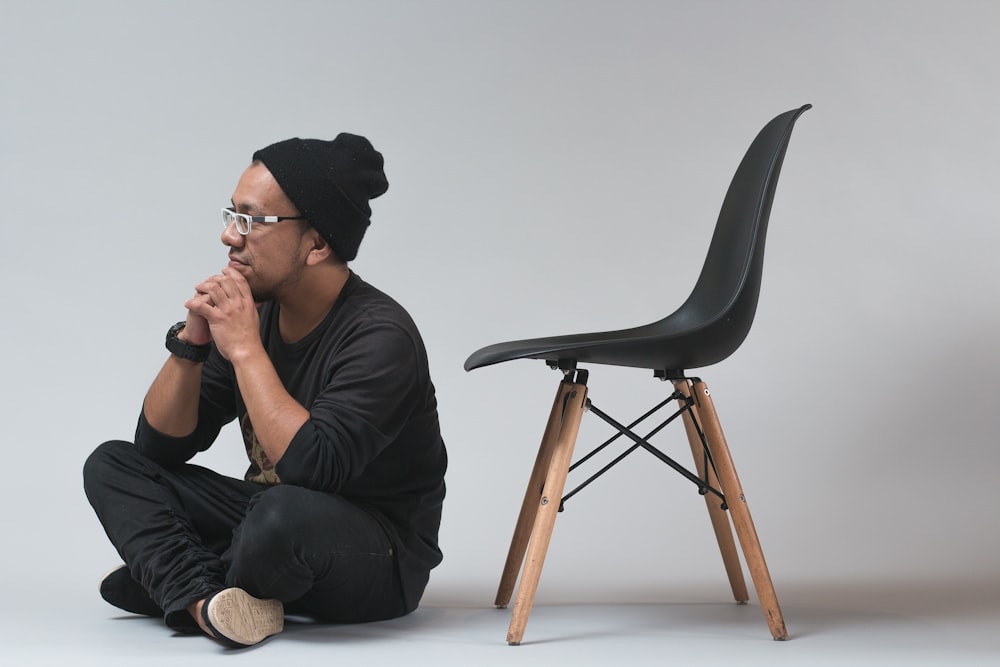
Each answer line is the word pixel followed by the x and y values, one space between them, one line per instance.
pixel 238 619
pixel 119 589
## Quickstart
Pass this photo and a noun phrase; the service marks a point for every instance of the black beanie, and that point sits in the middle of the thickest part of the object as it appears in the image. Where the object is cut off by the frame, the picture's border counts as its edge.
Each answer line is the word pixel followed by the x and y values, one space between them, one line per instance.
pixel 330 182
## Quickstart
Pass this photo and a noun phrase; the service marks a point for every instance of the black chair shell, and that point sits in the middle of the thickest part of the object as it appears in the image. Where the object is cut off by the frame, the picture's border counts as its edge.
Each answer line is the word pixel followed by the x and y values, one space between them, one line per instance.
pixel 715 319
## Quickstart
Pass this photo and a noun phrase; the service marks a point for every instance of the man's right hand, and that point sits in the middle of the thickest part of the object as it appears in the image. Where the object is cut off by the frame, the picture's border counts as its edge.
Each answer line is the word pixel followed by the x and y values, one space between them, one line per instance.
pixel 195 331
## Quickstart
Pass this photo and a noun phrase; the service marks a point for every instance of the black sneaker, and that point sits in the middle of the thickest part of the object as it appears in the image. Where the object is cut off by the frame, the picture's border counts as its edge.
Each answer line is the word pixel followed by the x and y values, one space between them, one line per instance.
pixel 119 589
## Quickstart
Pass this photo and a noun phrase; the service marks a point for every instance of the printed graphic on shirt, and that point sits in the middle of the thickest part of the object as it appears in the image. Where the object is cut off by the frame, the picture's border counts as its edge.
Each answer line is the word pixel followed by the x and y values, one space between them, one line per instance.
pixel 261 469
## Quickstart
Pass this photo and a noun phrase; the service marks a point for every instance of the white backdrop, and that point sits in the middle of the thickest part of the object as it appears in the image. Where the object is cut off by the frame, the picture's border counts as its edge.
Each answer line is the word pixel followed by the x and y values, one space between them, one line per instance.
pixel 554 167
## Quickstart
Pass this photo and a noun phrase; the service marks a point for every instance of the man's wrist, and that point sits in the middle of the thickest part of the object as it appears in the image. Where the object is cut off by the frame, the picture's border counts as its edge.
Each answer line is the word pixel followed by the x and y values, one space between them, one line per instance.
pixel 181 348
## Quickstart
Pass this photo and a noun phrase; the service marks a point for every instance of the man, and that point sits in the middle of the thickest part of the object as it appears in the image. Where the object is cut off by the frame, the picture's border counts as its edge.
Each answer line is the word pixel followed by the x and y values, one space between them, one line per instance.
pixel 338 514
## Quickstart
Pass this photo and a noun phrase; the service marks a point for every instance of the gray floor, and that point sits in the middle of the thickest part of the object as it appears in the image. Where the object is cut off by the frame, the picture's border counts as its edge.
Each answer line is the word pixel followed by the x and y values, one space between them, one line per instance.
pixel 942 623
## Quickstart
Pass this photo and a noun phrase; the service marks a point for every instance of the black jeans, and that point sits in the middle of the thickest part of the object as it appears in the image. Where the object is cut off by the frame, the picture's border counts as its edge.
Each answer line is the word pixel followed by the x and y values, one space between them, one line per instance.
pixel 186 532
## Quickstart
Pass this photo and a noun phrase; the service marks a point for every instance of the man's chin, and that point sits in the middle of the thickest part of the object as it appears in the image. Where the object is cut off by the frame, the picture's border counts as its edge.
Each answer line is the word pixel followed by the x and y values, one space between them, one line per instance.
pixel 260 295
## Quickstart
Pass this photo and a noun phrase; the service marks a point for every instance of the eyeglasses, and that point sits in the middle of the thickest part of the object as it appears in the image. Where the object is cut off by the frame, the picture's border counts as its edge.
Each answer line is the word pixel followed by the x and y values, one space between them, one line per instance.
pixel 244 222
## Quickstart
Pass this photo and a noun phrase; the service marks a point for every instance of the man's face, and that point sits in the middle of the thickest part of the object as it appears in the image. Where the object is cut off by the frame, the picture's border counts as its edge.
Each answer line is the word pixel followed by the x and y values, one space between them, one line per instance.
pixel 272 256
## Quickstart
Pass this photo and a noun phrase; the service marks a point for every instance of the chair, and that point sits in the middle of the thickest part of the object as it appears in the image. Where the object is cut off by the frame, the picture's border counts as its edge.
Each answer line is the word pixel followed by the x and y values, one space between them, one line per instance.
pixel 708 327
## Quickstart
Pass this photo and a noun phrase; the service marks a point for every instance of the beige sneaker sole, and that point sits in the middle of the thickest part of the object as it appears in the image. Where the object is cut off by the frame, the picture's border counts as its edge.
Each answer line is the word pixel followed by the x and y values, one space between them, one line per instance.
pixel 242 618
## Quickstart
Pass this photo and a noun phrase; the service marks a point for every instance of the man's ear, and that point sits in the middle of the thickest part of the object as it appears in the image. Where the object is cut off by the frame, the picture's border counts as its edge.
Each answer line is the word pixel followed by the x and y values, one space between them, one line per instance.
pixel 319 250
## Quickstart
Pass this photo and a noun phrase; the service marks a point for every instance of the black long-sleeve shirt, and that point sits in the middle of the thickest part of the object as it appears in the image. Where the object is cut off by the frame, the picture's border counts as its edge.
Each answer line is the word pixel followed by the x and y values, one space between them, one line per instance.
pixel 372 436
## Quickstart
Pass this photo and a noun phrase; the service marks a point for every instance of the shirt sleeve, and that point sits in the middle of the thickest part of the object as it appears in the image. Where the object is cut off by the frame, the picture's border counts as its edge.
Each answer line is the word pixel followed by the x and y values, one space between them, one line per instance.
pixel 367 398
pixel 216 407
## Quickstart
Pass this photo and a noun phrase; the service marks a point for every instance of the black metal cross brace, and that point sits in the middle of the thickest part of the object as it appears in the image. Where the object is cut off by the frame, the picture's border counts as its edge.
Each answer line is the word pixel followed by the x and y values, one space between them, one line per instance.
pixel 685 403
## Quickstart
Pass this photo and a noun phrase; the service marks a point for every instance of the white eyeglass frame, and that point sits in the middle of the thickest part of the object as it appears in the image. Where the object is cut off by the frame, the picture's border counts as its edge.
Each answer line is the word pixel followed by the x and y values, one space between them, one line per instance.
pixel 244 221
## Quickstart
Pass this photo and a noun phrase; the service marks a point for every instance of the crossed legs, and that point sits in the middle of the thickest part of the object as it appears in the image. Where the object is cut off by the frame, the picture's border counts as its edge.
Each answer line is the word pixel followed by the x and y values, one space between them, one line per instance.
pixel 186 533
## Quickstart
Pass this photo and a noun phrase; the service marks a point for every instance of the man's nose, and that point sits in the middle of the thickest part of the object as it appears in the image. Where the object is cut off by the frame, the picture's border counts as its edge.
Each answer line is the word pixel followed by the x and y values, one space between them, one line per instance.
pixel 231 237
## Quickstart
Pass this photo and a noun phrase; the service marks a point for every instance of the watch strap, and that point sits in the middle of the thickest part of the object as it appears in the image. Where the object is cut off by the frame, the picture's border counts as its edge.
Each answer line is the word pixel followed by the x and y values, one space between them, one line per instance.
pixel 183 349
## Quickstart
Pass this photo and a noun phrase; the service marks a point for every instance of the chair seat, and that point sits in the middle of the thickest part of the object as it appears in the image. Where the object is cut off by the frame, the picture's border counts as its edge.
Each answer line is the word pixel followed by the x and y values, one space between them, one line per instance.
pixel 680 341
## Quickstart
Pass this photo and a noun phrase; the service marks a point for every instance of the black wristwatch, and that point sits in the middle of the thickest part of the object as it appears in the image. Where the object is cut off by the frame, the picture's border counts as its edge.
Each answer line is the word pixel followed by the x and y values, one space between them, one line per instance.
pixel 184 350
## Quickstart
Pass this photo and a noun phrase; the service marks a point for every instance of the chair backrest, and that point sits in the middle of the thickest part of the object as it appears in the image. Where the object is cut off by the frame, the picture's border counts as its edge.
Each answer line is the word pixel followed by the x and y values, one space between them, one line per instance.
pixel 724 299
pixel 715 319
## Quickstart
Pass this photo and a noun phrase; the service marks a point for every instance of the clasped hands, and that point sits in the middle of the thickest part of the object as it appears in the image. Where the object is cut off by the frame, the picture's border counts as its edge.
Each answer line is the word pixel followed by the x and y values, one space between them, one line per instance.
pixel 223 310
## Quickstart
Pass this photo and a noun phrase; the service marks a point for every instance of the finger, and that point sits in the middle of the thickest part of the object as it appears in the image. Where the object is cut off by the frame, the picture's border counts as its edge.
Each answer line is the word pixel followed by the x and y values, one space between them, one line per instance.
pixel 238 281
pixel 201 296
pixel 201 307
pixel 219 289
pixel 204 286
pixel 233 284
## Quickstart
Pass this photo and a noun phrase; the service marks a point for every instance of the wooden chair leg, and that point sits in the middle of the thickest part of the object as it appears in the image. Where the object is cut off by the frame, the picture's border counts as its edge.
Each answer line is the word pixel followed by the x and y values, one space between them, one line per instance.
pixel 718 516
pixel 547 507
pixel 529 506
pixel 738 510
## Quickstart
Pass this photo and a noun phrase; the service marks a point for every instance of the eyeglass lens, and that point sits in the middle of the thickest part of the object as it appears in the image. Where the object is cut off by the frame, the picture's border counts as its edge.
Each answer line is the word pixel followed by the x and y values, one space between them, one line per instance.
pixel 242 221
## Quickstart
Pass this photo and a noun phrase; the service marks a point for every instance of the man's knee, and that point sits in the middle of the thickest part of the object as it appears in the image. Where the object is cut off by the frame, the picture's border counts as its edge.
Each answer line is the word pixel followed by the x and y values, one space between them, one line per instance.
pixel 101 459
pixel 276 515
pixel 267 539
pixel 282 518
pixel 292 538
